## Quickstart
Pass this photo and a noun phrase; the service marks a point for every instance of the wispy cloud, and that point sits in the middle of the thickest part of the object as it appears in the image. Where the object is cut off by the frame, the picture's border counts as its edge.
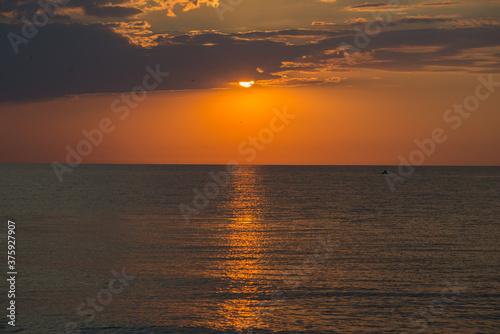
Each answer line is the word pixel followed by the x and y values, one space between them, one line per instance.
pixel 321 23
pixel 368 7
pixel 440 4
pixel 427 18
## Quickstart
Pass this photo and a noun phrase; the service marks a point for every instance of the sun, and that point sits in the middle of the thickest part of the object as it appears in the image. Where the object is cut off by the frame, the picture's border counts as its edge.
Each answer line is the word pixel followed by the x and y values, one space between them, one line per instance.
pixel 246 84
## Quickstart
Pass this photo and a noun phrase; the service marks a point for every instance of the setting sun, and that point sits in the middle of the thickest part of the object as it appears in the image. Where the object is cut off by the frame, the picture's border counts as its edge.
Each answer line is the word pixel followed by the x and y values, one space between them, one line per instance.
pixel 246 84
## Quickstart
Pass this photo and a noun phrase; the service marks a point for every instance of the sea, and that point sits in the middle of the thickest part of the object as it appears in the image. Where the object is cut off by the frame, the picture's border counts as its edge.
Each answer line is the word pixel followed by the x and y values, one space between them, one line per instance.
pixel 250 249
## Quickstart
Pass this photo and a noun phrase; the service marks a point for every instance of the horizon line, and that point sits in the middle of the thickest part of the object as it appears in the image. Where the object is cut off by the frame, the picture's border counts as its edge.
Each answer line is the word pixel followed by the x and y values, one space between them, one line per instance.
pixel 223 164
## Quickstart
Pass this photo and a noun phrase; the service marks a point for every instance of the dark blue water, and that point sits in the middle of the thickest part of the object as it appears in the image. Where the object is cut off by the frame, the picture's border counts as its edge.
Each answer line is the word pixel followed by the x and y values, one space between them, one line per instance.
pixel 278 249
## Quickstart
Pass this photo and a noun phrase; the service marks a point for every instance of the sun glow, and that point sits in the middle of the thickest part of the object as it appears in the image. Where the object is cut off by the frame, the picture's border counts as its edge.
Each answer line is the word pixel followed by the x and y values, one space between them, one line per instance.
pixel 246 84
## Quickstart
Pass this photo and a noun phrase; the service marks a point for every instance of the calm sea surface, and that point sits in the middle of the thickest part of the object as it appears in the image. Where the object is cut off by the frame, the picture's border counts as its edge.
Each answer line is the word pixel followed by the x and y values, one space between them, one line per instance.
pixel 279 249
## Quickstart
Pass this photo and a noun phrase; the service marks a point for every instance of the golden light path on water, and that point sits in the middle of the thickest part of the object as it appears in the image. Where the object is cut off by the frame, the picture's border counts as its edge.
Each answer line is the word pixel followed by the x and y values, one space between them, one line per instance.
pixel 244 267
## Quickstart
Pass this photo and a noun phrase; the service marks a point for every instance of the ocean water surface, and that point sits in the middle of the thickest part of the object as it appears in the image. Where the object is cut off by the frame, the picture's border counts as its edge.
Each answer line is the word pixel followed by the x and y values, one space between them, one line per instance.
pixel 278 249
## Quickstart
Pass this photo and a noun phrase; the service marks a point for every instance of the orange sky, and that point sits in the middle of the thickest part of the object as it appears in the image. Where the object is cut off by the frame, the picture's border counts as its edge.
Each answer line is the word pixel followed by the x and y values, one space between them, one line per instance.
pixel 365 79
pixel 372 123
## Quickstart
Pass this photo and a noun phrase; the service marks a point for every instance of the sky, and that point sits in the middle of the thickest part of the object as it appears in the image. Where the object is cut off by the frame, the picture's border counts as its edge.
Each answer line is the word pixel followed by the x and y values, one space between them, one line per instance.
pixel 335 82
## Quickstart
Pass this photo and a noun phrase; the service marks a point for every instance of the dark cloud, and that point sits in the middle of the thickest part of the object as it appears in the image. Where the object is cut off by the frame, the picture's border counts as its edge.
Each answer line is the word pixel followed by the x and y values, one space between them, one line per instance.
pixel 19 8
pixel 398 50
pixel 69 59
pixel 58 17
pixel 111 11
pixel 105 62
pixel 291 32
pixel 370 5
pixel 422 19
pixel 392 7
pixel 97 8
pixel 442 3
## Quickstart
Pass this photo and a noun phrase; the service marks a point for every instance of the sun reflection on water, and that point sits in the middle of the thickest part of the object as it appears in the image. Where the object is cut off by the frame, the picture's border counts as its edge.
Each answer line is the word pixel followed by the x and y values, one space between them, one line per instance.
pixel 244 266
